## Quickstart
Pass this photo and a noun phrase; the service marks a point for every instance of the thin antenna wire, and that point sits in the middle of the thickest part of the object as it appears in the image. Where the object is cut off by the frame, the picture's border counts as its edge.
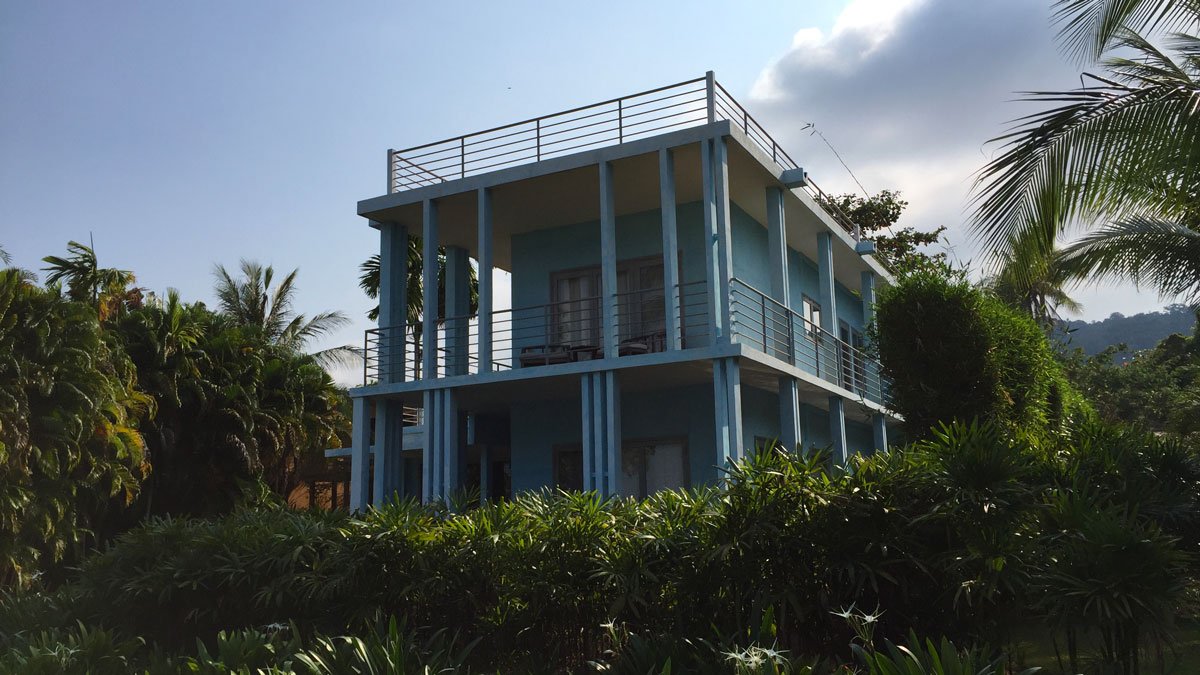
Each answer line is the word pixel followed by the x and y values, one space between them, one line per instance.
pixel 813 126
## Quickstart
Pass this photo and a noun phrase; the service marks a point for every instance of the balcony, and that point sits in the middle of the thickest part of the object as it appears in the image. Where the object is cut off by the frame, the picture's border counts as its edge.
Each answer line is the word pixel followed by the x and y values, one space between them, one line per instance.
pixel 566 332
pixel 686 104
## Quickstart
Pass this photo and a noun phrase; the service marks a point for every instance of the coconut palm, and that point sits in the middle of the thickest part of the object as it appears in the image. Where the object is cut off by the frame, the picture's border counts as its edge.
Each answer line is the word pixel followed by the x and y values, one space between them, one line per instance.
pixel 369 281
pixel 254 300
pixel 1031 277
pixel 1120 156
pixel 107 289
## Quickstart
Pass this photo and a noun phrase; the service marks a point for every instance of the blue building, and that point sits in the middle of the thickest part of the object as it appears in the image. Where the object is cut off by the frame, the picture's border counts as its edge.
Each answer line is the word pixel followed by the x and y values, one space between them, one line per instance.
pixel 679 295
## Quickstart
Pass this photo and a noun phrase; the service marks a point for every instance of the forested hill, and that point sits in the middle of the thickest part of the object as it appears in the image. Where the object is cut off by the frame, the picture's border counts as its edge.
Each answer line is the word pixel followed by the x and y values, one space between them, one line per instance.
pixel 1139 331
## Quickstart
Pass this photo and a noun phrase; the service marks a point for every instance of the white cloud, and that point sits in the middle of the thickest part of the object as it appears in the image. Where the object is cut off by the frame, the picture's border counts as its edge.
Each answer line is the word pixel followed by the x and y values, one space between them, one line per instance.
pixel 909 93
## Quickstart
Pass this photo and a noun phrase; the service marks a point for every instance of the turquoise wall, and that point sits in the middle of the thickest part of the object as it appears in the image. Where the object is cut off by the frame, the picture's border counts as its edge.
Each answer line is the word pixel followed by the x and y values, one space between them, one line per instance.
pixel 537 255
pixel 684 412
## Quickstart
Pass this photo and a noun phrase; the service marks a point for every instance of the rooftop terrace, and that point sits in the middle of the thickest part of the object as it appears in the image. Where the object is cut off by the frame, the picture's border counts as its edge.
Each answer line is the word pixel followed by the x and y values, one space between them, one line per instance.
pixel 681 105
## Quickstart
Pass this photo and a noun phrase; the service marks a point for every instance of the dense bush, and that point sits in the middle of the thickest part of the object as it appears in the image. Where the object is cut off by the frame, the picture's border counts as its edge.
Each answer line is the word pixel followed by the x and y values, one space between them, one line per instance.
pixel 968 534
pixel 70 453
pixel 953 352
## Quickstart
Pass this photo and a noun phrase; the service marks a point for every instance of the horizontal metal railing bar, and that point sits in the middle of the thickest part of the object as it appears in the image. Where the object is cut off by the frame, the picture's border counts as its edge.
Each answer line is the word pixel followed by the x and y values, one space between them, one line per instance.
pixel 664 98
pixel 557 114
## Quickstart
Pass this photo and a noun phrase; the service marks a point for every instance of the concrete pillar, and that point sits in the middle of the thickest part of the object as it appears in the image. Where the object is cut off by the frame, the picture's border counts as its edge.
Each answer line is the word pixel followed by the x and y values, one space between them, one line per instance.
pixel 829 323
pixel 879 426
pixel 485 474
pixel 789 413
pixel 485 280
pixel 777 254
pixel 670 242
pixel 601 411
pixel 360 454
pixel 837 428
pixel 389 446
pixel 612 432
pixel 826 284
pixel 724 231
pixel 608 261
pixel 393 302
pixel 458 306
pixel 716 289
pixel 727 410
pixel 429 446
pixel 450 443
pixel 429 281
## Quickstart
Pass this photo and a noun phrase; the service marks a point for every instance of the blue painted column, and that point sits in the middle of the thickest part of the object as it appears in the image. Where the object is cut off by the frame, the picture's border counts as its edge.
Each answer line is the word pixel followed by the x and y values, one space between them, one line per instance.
pixel 429 446
pixel 393 346
pixel 458 306
pixel 360 454
pixel 450 440
pixel 777 254
pixel 670 243
pixel 608 261
pixel 485 280
pixel 393 301
pixel 727 410
pixel 429 290
pixel 715 228
pixel 829 323
pixel 601 415
pixel 874 377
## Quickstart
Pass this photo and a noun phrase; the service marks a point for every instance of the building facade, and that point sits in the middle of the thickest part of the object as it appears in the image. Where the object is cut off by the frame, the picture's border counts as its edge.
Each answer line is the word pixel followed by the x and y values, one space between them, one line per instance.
pixel 679 296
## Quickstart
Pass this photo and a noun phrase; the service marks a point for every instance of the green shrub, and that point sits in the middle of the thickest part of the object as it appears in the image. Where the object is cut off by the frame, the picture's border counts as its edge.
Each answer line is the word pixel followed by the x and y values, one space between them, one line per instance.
pixel 953 352
pixel 968 534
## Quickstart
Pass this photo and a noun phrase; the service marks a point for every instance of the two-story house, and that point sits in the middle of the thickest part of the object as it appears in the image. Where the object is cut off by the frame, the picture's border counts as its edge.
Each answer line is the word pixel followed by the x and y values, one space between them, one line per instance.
pixel 679 295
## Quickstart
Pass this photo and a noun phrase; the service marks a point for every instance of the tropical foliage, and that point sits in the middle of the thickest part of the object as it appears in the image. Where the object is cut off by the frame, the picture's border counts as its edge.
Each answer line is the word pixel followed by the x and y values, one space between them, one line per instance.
pixel 1119 156
pixel 901 250
pixel 114 406
pixel 968 356
pixel 70 452
pixel 974 534
pixel 1157 389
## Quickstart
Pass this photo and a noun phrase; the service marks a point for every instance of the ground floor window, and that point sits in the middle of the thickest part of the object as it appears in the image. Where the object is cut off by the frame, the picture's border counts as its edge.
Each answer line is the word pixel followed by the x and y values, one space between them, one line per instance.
pixel 647 466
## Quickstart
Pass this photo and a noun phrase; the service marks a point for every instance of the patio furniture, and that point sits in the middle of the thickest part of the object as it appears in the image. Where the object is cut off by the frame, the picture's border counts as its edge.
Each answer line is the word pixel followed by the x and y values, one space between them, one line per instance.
pixel 544 355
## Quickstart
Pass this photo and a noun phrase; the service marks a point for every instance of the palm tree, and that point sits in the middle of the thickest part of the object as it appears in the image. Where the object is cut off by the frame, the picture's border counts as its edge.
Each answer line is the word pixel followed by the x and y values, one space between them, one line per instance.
pixel 1121 156
pixel 106 288
pixel 252 300
pixel 1030 277
pixel 369 281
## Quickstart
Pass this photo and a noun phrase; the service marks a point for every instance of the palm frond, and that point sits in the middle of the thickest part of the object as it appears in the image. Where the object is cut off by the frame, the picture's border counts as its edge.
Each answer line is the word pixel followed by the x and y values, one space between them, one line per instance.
pixel 1088 28
pixel 1147 251
pixel 1126 148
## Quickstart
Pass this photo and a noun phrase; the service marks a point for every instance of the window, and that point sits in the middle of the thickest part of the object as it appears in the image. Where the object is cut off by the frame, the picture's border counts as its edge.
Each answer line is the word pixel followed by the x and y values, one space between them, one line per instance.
pixel 648 467
pixel 853 364
pixel 811 311
pixel 575 298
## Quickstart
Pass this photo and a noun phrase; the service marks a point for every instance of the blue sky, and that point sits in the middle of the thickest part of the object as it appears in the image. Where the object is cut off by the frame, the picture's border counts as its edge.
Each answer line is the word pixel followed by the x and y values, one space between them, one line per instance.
pixel 186 134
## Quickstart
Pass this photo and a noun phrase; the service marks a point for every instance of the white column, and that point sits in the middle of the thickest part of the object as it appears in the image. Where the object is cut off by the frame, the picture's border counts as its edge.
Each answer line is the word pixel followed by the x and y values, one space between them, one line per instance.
pixel 670 242
pixel 450 443
pixel 608 260
pixel 589 434
pixel 429 281
pixel 485 281
pixel 428 447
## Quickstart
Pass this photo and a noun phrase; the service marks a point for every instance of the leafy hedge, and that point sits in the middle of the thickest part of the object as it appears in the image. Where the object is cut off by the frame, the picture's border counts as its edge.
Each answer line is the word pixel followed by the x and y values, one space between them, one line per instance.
pixel 968 534
pixel 954 352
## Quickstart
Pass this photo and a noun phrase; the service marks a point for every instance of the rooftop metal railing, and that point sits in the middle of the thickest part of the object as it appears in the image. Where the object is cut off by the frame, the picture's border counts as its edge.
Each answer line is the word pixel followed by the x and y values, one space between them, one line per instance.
pixel 684 104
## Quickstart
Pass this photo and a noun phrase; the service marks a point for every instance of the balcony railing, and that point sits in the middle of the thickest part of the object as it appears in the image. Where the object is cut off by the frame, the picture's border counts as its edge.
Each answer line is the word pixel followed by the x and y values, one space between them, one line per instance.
pixel 767 325
pixel 676 106
pixel 572 330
